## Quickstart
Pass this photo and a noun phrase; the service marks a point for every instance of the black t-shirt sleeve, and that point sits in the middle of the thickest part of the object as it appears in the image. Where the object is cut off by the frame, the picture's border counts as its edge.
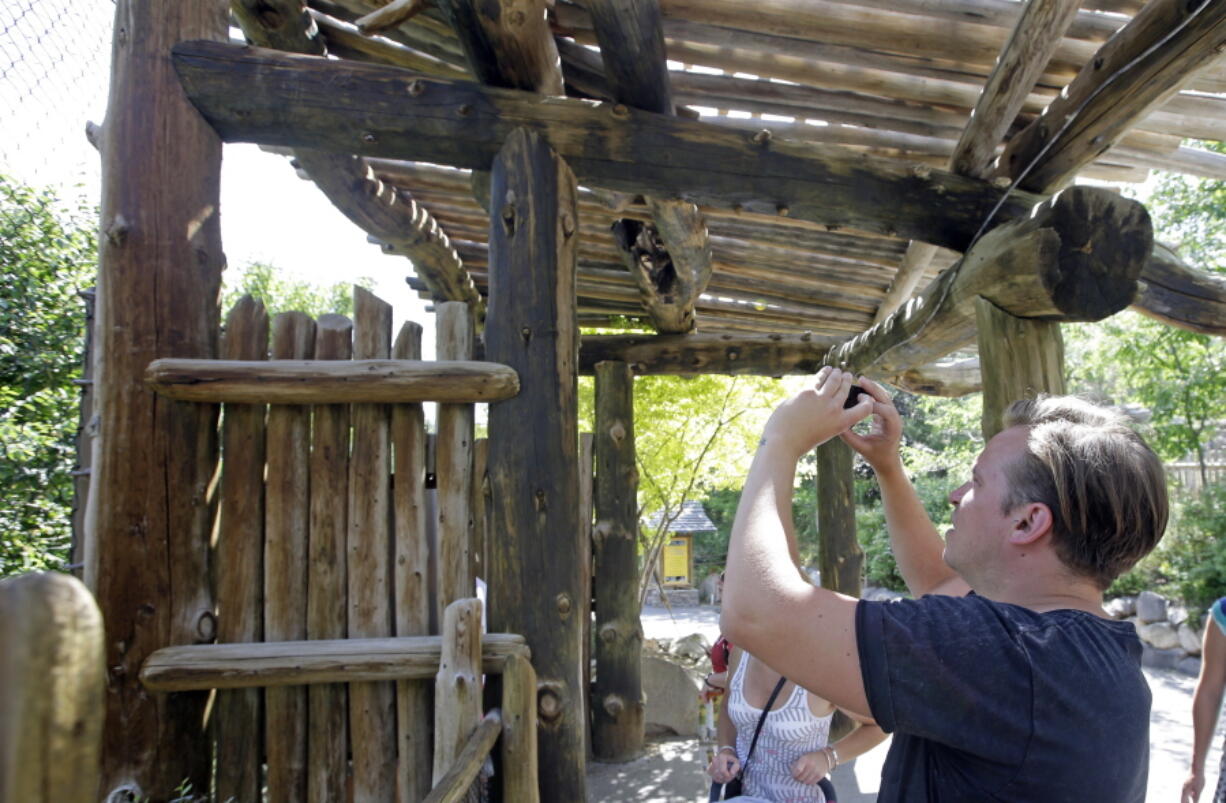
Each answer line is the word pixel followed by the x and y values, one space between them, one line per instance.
pixel 947 669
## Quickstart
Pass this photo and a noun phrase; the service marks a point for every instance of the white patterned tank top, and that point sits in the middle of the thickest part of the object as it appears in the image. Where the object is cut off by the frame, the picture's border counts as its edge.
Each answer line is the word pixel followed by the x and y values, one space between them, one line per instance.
pixel 790 731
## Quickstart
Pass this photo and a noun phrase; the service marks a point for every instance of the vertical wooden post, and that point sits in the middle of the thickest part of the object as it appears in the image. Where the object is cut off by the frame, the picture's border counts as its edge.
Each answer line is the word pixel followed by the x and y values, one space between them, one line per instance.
pixel 478 510
pixel 240 559
pixel 617 704
pixel 535 577
pixel 327 603
pixel 842 560
pixel 453 462
pixel 149 517
pixel 84 440
pixel 286 519
pixel 519 755
pixel 1018 358
pixel 587 446
pixel 457 686
pixel 52 681
pixel 372 715
pixel 413 715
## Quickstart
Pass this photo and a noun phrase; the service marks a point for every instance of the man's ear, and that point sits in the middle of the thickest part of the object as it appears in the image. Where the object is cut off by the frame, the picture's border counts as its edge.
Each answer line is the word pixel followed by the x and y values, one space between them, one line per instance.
pixel 1030 523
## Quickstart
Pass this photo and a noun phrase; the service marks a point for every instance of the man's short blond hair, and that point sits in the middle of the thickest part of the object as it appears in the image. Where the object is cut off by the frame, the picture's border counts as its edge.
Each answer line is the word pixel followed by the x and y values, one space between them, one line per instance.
pixel 1105 487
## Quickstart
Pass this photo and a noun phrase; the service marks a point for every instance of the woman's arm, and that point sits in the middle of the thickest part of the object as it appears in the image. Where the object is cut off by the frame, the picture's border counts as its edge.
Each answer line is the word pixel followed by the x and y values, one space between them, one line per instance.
pixel 812 767
pixel 726 765
pixel 1206 703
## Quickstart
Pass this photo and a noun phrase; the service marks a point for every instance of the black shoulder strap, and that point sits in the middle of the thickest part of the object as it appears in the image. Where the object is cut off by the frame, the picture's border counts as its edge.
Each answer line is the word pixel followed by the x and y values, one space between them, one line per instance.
pixel 762 719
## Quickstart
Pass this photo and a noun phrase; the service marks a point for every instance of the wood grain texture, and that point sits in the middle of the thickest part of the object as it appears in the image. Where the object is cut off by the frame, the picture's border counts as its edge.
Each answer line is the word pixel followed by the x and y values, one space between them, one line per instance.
pixel 839 553
pixel 1018 359
pixel 519 759
pixel 457 686
pixel 453 464
pixel 508 44
pixel 456 784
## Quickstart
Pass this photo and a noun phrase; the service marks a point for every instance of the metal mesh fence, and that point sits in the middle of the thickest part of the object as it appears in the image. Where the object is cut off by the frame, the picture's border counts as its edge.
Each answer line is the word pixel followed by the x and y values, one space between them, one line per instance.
pixel 54 68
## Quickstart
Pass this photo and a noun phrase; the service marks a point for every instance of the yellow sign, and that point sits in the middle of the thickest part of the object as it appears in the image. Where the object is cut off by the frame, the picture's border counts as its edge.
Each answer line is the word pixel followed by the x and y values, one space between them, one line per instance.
pixel 677 561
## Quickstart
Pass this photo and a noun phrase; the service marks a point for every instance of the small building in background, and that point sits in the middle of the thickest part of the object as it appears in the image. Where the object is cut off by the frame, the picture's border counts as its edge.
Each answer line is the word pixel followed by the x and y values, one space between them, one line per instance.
pixel 677 555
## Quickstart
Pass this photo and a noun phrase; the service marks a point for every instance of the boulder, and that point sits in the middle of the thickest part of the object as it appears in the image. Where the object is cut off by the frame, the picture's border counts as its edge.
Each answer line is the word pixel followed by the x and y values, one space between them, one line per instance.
pixel 670 692
pixel 1159 635
pixel 1189 666
pixel 1176 614
pixel 1151 607
pixel 1160 659
pixel 693 647
pixel 1121 607
pixel 1189 639
pixel 709 589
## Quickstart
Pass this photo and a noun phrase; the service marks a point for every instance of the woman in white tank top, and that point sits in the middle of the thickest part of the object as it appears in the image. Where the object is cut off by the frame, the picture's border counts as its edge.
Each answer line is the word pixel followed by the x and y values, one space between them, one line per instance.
pixel 793 753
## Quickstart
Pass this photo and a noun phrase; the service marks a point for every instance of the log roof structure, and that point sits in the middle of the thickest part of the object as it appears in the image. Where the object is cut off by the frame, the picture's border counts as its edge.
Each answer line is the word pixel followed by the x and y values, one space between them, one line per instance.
pixel 910 105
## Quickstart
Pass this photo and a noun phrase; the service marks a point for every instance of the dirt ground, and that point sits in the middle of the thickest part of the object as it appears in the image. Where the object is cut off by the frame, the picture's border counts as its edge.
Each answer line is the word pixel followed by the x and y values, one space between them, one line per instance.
pixel 673 771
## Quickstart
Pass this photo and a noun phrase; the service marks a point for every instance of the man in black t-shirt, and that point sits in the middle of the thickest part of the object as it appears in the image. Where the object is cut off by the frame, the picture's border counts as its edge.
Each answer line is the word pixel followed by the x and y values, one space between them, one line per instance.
pixel 1018 690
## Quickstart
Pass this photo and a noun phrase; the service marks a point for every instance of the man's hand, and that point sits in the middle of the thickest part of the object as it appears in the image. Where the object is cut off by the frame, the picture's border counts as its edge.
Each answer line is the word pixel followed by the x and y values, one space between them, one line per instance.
pixel 816 414
pixel 724 767
pixel 811 767
pixel 879 447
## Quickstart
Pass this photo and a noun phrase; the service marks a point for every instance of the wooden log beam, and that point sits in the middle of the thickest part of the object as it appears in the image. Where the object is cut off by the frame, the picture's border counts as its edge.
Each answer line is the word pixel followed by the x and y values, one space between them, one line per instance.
pixel 689 355
pixel 454 785
pixel 951 378
pixel 332 382
pixel 518 753
pixel 1019 358
pixel 391 15
pixel 1182 296
pixel 1130 76
pixel 1077 257
pixel 457 686
pixel 617 704
pixel 508 45
pixel 453 455
pixel 269 663
pixel 533 461
pixel 840 556
pixel 52 683
pixel 274 98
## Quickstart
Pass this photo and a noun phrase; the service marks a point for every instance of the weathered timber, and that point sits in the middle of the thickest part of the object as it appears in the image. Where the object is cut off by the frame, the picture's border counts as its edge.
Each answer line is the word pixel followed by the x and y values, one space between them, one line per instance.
pixel 327 603
pixel 910 272
pixel 347 43
pixel 683 355
pixel 412 568
pixel 372 706
pixel 840 556
pixel 286 523
pixel 617 696
pixel 1077 257
pixel 587 456
pixel 457 686
pixel 272 98
pixel 240 557
pixel 390 15
pixel 1019 359
pixel 534 571
pixel 1182 296
pixel 319 382
pixel 950 378
pixel 236 666
pixel 509 45
pixel 1130 76
pixel 519 754
pixel 454 466
pixel 149 518
pixel 423 33
pixel 478 506
pixel 454 786
pixel 52 682
pixel 84 439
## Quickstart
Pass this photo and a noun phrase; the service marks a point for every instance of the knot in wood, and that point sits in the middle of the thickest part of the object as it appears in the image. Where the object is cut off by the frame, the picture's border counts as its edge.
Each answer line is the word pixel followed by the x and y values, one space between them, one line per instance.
pixel 921 171
pixel 620 110
pixel 568 224
pixel 117 231
pixel 206 626
pixel 538 500
pixel 783 210
pixel 762 137
pixel 464 110
pixel 609 633
pixel 617 432
pixel 549 701
pixel 1001 182
pixel 416 87
pixel 614 705
pixel 369 138
pixel 564 604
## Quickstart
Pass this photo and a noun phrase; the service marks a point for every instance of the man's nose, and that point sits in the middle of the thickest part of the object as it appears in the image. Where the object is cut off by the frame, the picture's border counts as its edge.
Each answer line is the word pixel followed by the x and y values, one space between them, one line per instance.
pixel 955 496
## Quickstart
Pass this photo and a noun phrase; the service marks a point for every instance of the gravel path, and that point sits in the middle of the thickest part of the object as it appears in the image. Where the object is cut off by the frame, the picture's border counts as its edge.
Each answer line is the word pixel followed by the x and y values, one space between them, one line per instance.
pixel 673 772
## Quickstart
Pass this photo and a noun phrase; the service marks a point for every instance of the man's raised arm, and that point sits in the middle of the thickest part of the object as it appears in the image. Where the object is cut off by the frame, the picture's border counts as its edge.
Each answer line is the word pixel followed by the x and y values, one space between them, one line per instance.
pixel 917 546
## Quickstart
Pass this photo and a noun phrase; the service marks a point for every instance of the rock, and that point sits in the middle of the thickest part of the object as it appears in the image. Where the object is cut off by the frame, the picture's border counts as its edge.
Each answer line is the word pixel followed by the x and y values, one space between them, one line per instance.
pixel 1121 607
pixel 671 695
pixel 709 589
pixel 1159 635
pixel 655 646
pixel 1160 659
pixel 1176 614
pixel 1189 639
pixel 693 647
pixel 1151 607
pixel 1189 666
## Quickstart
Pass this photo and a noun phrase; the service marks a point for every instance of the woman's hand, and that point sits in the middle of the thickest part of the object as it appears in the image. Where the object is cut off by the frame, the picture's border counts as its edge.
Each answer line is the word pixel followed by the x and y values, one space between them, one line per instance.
pixel 811 767
pixel 724 767
pixel 880 446
pixel 815 414
pixel 1192 787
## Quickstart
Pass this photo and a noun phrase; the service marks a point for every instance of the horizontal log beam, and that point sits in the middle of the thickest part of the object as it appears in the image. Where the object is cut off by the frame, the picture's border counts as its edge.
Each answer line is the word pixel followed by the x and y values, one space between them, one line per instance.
pixel 252 95
pixel 331 381
pixel 1182 296
pixel 293 663
pixel 688 355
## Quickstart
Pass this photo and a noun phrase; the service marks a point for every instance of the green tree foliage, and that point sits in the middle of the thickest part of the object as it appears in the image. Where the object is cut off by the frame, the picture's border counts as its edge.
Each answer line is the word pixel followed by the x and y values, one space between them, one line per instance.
pixel 1190 215
pixel 48 254
pixel 283 293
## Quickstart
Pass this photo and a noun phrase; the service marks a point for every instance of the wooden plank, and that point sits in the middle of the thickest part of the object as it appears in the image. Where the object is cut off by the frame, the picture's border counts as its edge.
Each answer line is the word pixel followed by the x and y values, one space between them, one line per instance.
pixel 237 666
pixel 617 695
pixel 453 464
pixel 534 572
pixel 1019 359
pixel 412 569
pixel 52 685
pixel 286 544
pixel 519 758
pixel 254 95
pixel 150 517
pixel 509 47
pixel 478 504
pixel 682 355
pixel 587 456
pixel 840 557
pixel 1076 258
pixel 240 558
pixel 327 603
pixel 456 784
pixel 372 706
pixel 368 381
pixel 1133 73
pixel 457 686
pixel 391 15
